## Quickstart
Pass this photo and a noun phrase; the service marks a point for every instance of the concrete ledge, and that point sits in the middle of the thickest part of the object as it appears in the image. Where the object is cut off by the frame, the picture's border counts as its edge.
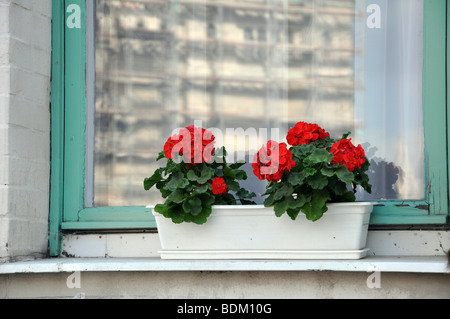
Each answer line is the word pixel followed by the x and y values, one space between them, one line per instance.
pixel 368 264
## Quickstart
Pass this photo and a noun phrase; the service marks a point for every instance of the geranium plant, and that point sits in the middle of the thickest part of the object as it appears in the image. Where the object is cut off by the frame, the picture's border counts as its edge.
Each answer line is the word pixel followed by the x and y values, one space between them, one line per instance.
pixel 312 172
pixel 195 177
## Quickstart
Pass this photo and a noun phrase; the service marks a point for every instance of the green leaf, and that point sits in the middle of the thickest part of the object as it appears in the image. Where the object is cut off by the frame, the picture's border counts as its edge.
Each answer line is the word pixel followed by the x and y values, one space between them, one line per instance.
pixel 233 186
pixel 219 172
pixel 195 209
pixel 172 167
pixel 162 209
pixel 206 201
pixel 247 202
pixel 315 212
pixel 177 180
pixel 269 200
pixel 348 196
pixel 337 187
pixel 164 192
pixel 293 213
pixel 226 199
pixel 361 177
pixel 203 216
pixel 297 202
pixel 320 156
pixel 290 205
pixel 244 193
pixel 192 176
pixel 295 205
pixel 310 171
pixel 151 181
pixel 328 171
pixel 161 155
pixel 281 207
pixel 318 181
pixel 317 207
pixel 172 211
pixel 177 196
pixel 284 191
pixel 240 174
pixel 345 175
pixel 228 172
pixel 193 206
pixel 237 165
pixel 302 150
pixel 296 178
pixel 346 135
pixel 202 189
pixel 318 203
pixel 206 174
pixel 272 188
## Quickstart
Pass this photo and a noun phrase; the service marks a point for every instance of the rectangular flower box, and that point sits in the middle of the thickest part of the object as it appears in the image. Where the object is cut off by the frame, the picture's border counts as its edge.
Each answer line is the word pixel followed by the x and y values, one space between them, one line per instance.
pixel 254 232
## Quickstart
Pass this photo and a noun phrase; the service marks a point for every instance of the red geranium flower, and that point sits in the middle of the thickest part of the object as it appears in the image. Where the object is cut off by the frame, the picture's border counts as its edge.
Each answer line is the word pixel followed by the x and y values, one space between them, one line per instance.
pixel 218 186
pixel 345 153
pixel 272 161
pixel 170 143
pixel 195 144
pixel 305 133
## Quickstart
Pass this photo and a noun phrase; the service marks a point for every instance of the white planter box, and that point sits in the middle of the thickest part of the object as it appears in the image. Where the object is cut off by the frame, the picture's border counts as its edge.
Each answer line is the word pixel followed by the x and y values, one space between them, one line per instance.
pixel 254 232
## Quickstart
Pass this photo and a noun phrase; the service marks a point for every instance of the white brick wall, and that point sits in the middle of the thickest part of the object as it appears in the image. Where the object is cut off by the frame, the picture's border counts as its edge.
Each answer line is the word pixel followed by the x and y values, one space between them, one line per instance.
pixel 25 64
pixel 4 116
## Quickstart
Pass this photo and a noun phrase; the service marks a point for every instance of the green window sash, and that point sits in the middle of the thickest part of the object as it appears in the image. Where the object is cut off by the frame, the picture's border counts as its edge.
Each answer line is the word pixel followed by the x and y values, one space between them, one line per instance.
pixel 68 125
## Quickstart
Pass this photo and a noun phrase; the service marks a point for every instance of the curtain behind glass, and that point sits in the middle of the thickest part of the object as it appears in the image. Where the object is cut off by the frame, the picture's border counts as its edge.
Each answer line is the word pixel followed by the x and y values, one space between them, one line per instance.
pixel 391 97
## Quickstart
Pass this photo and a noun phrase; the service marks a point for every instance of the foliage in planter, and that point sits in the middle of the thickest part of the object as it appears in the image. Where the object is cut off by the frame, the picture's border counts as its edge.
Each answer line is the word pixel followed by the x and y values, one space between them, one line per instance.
pixel 195 177
pixel 314 171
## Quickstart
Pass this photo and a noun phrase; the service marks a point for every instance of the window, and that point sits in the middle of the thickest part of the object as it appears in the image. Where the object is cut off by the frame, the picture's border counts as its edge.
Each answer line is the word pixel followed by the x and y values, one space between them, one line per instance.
pixel 375 68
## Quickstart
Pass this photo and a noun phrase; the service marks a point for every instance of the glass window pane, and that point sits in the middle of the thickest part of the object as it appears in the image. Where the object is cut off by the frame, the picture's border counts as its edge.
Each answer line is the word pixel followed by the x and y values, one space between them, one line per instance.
pixel 390 70
pixel 256 65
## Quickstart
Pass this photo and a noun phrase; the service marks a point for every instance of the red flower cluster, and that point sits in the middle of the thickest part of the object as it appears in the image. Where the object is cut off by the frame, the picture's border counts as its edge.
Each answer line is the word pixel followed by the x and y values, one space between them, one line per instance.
pixel 195 144
pixel 272 161
pixel 345 153
pixel 305 133
pixel 218 186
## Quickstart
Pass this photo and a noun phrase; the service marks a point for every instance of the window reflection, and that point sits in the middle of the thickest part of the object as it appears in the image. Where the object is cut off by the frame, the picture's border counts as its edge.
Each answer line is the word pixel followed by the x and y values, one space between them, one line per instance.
pixel 162 64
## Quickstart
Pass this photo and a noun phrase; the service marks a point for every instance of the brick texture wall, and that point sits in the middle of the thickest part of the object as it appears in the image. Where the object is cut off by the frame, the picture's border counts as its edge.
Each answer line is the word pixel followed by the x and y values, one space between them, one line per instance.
pixel 25 65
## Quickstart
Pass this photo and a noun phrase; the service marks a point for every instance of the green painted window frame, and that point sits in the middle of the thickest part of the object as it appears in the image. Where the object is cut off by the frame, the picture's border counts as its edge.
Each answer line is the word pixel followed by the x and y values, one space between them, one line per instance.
pixel 68 125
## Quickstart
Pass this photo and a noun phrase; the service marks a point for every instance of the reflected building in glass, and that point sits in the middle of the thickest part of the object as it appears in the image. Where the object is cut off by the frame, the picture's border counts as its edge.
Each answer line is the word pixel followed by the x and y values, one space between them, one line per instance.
pixel 162 64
